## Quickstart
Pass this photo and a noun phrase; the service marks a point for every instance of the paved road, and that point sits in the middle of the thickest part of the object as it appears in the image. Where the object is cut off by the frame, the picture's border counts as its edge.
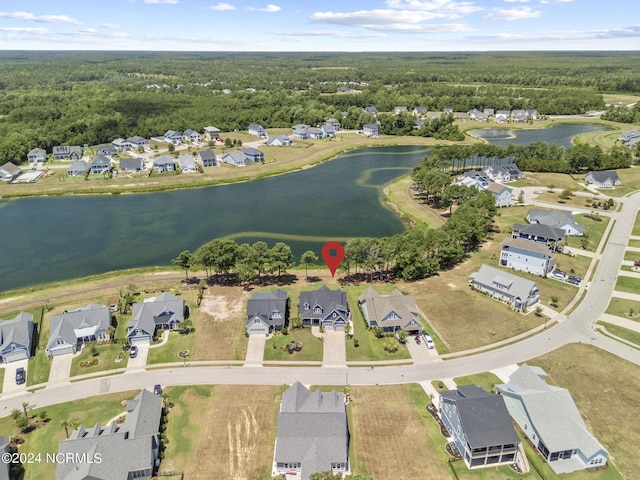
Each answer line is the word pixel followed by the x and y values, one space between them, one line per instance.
pixel 578 327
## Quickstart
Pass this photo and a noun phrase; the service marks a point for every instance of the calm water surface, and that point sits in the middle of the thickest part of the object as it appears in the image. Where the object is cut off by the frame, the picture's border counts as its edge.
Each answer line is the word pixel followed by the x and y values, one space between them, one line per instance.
pixel 48 239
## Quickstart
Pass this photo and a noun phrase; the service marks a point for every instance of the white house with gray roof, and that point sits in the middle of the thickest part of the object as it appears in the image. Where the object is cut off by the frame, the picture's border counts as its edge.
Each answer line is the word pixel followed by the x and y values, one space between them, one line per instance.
pixel 266 311
pixel 187 164
pixel 126 451
pixel 238 159
pixel 561 219
pixel 526 256
pixel 480 426
pixel 131 164
pixel 77 168
pixel 502 194
pixel 503 173
pixel 100 164
pixel 537 232
pixel 71 330
pixel 138 142
pixel 370 129
pixel 164 312
pixel 516 291
pixel 392 312
pixel 9 171
pixel 257 130
pixel 164 163
pixel 171 136
pixel 313 434
pixel 37 155
pixel 15 337
pixel 549 418
pixel 325 308
pixel 280 141
pixel 208 158
pixel 608 179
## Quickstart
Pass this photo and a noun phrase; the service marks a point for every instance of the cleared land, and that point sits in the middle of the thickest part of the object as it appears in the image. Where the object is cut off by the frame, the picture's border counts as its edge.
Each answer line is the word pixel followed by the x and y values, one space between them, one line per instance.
pixel 399 197
pixel 223 430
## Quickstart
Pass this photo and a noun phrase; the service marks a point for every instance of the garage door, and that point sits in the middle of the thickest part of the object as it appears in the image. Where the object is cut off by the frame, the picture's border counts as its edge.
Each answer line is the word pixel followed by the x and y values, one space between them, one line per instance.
pixel 141 340
pixel 15 355
pixel 258 330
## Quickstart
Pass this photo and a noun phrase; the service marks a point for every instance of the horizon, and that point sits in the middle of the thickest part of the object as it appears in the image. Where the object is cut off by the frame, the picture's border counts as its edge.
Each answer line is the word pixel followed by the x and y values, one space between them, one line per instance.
pixel 284 26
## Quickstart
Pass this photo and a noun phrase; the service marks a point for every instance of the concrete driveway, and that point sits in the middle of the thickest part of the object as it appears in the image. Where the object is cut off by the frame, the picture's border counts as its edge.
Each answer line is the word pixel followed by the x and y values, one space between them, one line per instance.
pixel 255 350
pixel 420 353
pixel 9 385
pixel 60 368
pixel 141 359
pixel 334 350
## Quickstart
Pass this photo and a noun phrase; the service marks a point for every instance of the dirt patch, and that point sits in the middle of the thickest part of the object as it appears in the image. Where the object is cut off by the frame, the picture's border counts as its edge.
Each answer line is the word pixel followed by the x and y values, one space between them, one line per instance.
pixel 223 308
pixel 452 285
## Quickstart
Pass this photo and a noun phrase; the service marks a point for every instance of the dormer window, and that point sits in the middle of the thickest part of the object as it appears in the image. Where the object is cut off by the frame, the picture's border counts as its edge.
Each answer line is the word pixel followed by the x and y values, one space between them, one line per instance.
pixel 306 306
pixel 317 309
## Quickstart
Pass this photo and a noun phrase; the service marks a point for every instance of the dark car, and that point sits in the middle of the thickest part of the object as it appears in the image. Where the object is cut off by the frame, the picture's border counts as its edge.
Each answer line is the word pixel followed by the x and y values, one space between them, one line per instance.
pixel 636 264
pixel 157 389
pixel 418 340
pixel 133 351
pixel 20 376
pixel 575 280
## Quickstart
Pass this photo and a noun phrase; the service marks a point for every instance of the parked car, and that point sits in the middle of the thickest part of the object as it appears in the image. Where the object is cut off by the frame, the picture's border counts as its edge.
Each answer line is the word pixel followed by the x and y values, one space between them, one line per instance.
pixel 113 308
pixel 428 341
pixel 573 279
pixel 133 351
pixel 21 376
pixel 157 389
pixel 560 275
pixel 636 264
pixel 417 339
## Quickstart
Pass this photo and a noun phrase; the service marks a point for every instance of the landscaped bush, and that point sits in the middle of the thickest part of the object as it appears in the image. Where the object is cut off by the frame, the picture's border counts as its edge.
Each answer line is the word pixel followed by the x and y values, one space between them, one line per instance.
pixel 390 346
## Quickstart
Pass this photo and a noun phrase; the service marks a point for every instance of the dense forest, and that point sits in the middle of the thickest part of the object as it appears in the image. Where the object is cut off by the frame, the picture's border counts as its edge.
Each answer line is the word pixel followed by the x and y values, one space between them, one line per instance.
pixel 53 98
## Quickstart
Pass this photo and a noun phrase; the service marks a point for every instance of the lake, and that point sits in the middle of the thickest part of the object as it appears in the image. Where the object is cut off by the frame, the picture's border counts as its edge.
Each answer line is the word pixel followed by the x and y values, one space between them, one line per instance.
pixel 556 134
pixel 48 239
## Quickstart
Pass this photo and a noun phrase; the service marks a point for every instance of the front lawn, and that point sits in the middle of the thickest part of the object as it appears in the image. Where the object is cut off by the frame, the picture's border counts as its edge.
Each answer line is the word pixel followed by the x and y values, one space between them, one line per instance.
pixel 621 307
pixel 168 353
pixel 109 357
pixel 312 346
pixel 594 229
pixel 628 284
pixel 486 380
pixel 636 227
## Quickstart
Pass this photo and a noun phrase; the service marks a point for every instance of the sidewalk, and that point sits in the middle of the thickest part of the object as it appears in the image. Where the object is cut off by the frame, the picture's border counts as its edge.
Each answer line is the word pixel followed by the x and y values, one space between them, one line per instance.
pixel 621 322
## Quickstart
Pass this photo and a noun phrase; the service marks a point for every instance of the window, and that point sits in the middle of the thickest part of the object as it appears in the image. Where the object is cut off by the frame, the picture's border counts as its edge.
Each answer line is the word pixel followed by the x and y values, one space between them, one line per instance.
pixel 306 306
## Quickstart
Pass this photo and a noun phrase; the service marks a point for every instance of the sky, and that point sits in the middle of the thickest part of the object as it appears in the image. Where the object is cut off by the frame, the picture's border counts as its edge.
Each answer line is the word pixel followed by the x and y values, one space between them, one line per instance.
pixel 320 25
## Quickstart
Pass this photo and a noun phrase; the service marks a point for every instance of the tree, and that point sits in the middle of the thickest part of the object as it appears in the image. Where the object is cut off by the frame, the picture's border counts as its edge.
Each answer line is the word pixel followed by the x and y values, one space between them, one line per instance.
pixel 171 148
pixel 24 408
pixel 328 475
pixel 554 300
pixel 262 257
pixel 521 196
pixel 66 424
pixel 184 260
pixel 281 257
pixel 307 259
pixel 228 142
pixel 565 194
pixel 347 329
pixel 402 336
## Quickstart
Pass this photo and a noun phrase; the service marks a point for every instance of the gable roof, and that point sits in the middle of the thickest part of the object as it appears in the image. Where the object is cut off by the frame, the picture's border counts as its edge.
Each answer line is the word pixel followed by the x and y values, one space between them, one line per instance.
pixel 498 188
pixel 263 304
pixel 602 177
pixel 165 308
pixel 527 245
pixel 376 307
pixel 329 300
pixel 554 218
pixel 552 412
pixel 83 322
pixel 207 155
pixel 101 160
pixel 131 163
pixel 10 168
pixel 18 330
pixel 539 230
pixel 513 285
pixel 186 161
pixel 164 160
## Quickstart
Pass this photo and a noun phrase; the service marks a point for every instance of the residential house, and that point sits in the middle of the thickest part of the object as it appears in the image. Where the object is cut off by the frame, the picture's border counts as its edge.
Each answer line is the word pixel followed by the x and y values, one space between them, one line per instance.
pixel 328 130
pixel 69 331
pixel 481 427
pixel 630 137
pixel 473 113
pixel 300 131
pixel 191 136
pixel 63 152
pixel 208 158
pixel 187 164
pixel 520 118
pixel 503 173
pixel 561 219
pixel 325 308
pixel 519 113
pixel 489 111
pixel 516 291
pixel 5 467
pixel 537 232
pixel 607 179
pixel 173 137
pixel 399 110
pixel 462 116
pixel 137 142
pixel 127 450
pixel 164 163
pixel 502 194
pixel 15 337
pixel 131 164
pixel 107 150
pixel 371 110
pixel 257 130
pixel 526 256
pixel 239 159
pixel 121 144
pixel 334 123
pixel 9 171
pixel 447 110
pixel 37 155
pixel 502 116
pixel 100 164
pixel 78 168
pixel 316 133
pixel 266 312
pixel 280 141
pixel 313 433
pixel 163 312
pixel 548 416
pixel 392 312
pixel 344 89
pixel 417 111
pixel 253 154
pixel 211 133
pixel 473 178
pixel 533 114
pixel 370 130
pixel 481 117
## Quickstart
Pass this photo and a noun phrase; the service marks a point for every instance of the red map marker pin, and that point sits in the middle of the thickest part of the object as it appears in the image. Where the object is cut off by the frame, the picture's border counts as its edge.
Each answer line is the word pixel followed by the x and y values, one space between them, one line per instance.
pixel 334 260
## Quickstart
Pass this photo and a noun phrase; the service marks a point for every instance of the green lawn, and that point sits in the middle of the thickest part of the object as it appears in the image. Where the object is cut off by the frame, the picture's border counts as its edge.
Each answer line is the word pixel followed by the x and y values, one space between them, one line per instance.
pixel 577 265
pixel 631 256
pixel 593 230
pixel 629 335
pixel 628 284
pixel 634 243
pixel 45 438
pixel 486 380
pixel 109 356
pixel 636 226
pixel 622 306
pixel 311 346
pixel 39 365
pixel 169 352
pixel 630 178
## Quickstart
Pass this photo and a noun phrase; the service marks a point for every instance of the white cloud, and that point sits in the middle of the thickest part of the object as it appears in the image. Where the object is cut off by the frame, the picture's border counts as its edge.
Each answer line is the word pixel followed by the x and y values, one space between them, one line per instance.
pixel 110 26
pixel 30 17
pixel 370 18
pixel 271 8
pixel 221 7
pixel 168 2
pixel 330 33
pixel 562 36
pixel 31 31
pixel 450 7
pixel 510 14
pixel 518 1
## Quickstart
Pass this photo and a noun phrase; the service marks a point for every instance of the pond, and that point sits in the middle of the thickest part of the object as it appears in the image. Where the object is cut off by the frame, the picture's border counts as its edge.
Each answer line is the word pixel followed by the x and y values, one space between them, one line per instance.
pixel 557 134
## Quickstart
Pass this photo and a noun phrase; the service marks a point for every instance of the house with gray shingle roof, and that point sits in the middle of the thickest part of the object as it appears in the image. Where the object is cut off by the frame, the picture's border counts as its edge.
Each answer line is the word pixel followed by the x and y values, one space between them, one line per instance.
pixel 164 163
pixel 526 256
pixel 77 168
pixel 325 308
pixel 253 154
pixel 313 434
pixel 480 426
pixel 131 164
pixel 300 131
pixel 561 219
pixel 64 152
pixel 37 155
pixel 392 312
pixel 100 164
pixel 107 150
pixel 537 232
pixel 9 171
pixel 71 330
pixel 549 418
pixel 192 136
pixel 280 141
pixel 15 337
pixel 187 164
pixel 126 451
pixel 257 130
pixel 630 137
pixel 267 311
pixel 608 179
pixel 208 158
pixel 162 312
pixel 370 130
pixel 239 159
pixel 171 136
pixel 516 291
pixel 502 194
pixel 503 173
pixel 211 133
pixel 138 142
pixel 121 144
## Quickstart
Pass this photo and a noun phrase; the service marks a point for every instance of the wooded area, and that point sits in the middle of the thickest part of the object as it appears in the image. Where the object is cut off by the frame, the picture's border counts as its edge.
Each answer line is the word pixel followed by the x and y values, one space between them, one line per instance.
pixel 76 98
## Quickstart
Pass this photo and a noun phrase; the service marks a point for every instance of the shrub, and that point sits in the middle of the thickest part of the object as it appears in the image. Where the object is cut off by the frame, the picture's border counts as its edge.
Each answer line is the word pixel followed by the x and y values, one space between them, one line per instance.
pixel 285 331
pixel 356 343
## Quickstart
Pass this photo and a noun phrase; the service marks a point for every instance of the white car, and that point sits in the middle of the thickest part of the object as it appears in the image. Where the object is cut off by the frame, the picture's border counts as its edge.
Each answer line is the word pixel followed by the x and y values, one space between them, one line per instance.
pixel 428 341
pixel 558 274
